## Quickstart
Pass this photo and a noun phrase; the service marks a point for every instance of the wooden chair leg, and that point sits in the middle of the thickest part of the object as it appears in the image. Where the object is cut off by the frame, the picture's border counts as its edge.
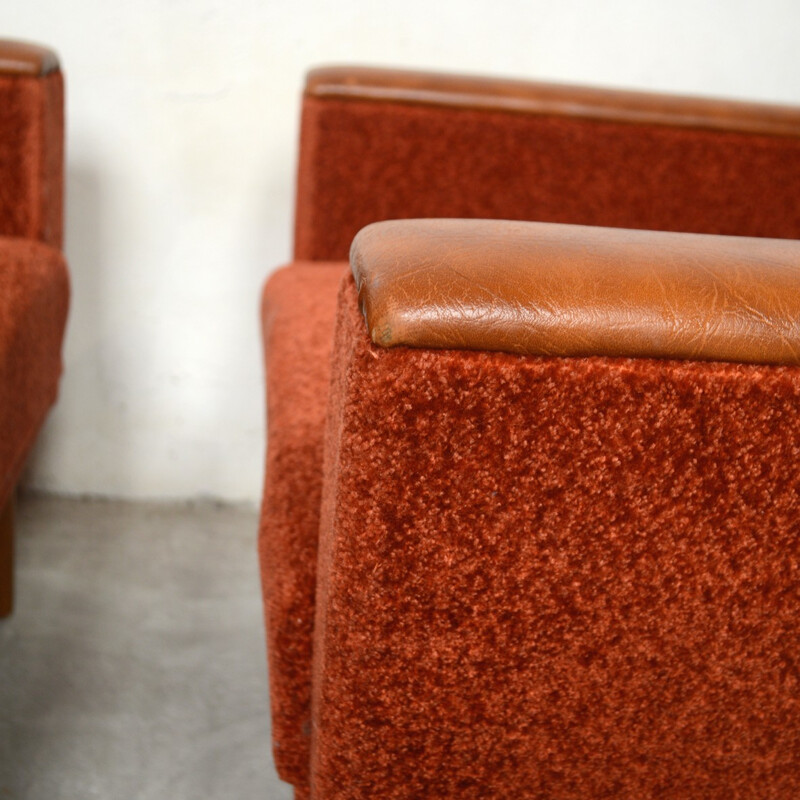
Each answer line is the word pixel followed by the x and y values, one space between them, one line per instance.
pixel 7 558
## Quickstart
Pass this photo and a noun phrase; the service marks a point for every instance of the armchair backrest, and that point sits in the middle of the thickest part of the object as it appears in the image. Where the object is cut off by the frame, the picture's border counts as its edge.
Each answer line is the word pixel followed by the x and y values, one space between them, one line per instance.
pixel 381 144
pixel 31 143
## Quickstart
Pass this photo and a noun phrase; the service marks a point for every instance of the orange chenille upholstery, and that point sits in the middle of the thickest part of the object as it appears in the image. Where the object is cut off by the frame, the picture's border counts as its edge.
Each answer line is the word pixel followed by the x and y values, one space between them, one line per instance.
pixel 489 574
pixel 34 288
pixel 550 577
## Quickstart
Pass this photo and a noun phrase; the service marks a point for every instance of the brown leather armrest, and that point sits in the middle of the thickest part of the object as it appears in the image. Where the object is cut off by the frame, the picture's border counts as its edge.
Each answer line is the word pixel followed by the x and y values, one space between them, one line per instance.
pixel 568 290
pixel 25 59
pixel 550 99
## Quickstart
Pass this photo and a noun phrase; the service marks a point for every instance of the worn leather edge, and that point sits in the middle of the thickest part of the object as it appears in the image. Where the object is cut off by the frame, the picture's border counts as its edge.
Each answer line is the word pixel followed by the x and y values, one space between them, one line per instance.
pixel 551 99
pixel 567 290
pixel 26 59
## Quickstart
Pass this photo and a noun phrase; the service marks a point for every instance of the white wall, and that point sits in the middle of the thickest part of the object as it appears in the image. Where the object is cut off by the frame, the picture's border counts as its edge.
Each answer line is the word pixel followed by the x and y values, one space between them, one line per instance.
pixel 182 120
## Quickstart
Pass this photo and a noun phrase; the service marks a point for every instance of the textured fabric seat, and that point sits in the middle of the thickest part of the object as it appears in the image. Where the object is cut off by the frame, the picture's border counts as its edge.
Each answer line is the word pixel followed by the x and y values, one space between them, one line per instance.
pixel 500 575
pixel 298 314
pixel 34 286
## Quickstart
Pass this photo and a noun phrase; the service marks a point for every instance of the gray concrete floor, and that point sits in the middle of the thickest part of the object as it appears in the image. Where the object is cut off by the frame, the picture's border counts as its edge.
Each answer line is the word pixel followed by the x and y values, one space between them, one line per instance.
pixel 133 666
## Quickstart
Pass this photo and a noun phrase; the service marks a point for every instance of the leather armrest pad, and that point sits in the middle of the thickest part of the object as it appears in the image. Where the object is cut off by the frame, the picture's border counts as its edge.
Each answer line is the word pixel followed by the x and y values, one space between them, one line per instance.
pixel 25 59
pixel 569 290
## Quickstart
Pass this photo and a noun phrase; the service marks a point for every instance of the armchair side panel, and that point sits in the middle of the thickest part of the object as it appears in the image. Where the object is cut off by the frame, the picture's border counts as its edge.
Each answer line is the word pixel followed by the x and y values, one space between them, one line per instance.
pixel 546 577
pixel 34 295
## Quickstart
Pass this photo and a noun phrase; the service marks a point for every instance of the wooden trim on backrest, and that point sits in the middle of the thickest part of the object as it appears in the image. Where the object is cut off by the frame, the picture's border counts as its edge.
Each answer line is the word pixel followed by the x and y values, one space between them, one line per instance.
pixel 25 59
pixel 528 97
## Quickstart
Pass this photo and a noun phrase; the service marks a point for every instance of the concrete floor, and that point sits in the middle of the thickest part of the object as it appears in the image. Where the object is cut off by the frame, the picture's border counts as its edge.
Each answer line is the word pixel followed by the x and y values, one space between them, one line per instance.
pixel 133 666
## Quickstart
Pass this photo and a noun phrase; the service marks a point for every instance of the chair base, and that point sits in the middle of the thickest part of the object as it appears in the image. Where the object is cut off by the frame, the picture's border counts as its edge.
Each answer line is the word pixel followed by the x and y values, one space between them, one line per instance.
pixel 7 558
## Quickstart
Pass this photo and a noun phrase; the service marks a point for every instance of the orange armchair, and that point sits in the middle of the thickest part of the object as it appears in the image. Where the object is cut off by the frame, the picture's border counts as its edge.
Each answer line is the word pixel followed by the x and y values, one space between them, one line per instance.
pixel 496 571
pixel 33 277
